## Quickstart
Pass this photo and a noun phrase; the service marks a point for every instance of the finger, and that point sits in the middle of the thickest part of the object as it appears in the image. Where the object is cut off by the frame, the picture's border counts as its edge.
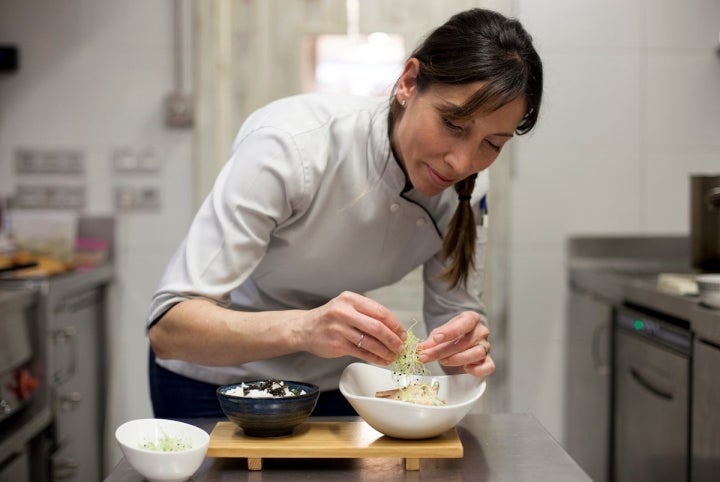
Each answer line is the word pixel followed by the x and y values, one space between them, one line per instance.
pixel 473 355
pixel 386 343
pixel 369 348
pixel 484 369
pixel 453 347
pixel 366 349
pixel 452 331
pixel 376 311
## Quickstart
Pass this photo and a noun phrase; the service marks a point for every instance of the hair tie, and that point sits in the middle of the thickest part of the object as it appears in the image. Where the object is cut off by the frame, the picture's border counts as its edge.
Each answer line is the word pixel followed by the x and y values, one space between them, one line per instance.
pixel 464 197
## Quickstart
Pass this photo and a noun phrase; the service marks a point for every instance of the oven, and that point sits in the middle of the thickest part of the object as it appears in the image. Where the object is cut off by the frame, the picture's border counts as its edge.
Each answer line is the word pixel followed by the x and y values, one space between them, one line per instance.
pixel 25 413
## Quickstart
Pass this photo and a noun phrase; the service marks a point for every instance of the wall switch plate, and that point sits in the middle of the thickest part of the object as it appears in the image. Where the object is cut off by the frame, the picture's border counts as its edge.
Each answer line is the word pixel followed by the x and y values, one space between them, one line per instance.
pixel 134 198
pixel 49 161
pixel 179 110
pixel 127 160
pixel 49 197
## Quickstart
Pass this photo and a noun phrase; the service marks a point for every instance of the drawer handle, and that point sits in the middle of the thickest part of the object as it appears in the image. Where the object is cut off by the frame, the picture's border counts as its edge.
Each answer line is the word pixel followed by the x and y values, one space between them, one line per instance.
pixel 647 385
pixel 69 402
pixel 66 336
pixel 601 367
pixel 65 468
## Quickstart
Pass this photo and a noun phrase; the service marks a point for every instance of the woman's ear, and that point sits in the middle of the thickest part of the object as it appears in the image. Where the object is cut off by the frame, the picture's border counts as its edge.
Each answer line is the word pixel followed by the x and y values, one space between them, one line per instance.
pixel 407 83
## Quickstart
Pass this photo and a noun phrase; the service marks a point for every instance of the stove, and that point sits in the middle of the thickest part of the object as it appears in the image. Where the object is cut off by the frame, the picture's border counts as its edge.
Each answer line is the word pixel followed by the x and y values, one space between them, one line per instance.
pixel 25 414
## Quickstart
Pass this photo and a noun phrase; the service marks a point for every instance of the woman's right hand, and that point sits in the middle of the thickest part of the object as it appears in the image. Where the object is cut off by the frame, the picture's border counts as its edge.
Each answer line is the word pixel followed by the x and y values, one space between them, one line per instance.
pixel 352 324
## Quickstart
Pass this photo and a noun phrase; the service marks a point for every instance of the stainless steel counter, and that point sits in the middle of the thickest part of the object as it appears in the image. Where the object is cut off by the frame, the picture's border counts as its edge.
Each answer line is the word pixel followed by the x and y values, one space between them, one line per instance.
pixel 626 269
pixel 497 447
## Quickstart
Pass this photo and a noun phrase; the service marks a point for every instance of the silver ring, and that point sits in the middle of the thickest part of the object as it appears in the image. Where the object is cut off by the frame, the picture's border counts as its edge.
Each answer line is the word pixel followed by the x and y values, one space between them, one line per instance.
pixel 486 348
pixel 362 337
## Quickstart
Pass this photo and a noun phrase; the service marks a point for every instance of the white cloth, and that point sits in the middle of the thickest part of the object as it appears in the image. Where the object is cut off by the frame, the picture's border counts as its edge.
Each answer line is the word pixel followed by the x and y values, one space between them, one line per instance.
pixel 310 205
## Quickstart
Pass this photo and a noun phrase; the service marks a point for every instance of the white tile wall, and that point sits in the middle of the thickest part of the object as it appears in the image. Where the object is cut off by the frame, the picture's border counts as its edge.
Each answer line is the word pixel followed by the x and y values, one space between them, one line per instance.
pixel 680 25
pixel 632 109
pixel 667 198
pixel 683 97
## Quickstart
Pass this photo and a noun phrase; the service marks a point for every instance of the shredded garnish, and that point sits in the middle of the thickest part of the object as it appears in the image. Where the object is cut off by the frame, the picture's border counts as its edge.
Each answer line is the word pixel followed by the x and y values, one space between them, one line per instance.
pixel 167 443
pixel 408 372
pixel 408 363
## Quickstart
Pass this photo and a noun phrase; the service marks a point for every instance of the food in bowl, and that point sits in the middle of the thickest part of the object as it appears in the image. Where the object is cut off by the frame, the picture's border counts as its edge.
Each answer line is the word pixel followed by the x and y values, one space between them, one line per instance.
pixel 421 393
pixel 162 450
pixel 408 363
pixel 268 416
pixel 360 382
pixel 408 372
pixel 167 443
pixel 265 389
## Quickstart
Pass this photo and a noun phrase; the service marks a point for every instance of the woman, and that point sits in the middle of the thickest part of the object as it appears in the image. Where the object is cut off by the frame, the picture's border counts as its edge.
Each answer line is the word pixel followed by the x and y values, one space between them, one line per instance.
pixel 327 197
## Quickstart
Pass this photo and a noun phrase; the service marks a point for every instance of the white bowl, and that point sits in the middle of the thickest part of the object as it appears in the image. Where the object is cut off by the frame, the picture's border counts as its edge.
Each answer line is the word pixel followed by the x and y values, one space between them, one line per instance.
pixel 709 289
pixel 156 465
pixel 359 383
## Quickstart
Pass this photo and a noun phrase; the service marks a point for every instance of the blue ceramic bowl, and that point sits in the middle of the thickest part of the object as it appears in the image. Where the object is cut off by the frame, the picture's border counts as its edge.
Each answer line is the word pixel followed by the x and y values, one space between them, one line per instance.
pixel 269 417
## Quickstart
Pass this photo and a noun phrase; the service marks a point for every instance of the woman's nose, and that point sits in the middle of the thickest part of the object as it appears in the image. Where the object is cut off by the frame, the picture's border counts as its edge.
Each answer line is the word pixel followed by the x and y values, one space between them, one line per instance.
pixel 464 161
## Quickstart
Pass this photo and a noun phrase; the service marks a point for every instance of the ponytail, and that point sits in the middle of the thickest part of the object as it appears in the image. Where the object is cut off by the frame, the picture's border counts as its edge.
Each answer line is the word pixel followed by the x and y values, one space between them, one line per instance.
pixel 459 242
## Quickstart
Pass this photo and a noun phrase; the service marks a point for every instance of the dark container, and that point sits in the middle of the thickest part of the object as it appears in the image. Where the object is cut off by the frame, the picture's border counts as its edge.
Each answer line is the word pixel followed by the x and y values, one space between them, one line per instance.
pixel 705 222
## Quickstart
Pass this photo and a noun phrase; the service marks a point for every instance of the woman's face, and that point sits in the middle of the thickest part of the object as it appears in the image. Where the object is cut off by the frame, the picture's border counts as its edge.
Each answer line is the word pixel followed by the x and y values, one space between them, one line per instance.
pixel 437 152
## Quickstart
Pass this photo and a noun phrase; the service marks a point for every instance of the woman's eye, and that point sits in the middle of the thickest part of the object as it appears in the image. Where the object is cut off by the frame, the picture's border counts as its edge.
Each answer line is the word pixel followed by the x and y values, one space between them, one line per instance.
pixel 493 146
pixel 452 126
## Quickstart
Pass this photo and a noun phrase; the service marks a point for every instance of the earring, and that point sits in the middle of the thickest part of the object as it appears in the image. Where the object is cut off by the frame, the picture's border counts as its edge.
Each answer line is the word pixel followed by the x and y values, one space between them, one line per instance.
pixel 403 102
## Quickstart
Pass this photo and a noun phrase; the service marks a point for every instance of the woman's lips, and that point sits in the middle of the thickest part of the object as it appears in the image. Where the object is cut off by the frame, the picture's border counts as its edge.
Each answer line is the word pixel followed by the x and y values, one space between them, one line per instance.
pixel 438 179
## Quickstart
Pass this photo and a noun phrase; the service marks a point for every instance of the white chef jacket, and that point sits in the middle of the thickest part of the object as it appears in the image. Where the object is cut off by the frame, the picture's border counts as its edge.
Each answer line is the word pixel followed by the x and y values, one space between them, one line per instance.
pixel 311 204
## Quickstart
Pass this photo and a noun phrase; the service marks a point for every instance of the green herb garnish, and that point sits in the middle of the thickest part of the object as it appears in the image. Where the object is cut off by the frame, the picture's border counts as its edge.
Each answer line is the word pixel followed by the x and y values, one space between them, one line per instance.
pixel 408 363
pixel 166 443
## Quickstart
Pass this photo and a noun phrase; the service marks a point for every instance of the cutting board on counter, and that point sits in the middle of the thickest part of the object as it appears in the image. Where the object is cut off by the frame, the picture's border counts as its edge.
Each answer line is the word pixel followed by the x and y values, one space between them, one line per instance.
pixel 328 439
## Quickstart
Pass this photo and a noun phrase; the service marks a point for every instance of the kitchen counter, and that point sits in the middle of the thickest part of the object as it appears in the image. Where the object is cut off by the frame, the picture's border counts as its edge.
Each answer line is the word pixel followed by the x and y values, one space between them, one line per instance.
pixel 626 270
pixel 641 289
pixel 497 447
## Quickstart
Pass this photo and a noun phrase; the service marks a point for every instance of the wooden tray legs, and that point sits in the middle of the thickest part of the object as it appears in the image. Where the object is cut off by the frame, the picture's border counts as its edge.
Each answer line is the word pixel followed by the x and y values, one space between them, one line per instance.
pixel 255 464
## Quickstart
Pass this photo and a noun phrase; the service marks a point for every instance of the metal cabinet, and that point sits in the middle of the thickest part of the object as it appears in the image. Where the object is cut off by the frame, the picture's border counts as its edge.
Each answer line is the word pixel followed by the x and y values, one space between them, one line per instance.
pixel 651 399
pixel 705 463
pixel 72 308
pixel 75 328
pixel 587 402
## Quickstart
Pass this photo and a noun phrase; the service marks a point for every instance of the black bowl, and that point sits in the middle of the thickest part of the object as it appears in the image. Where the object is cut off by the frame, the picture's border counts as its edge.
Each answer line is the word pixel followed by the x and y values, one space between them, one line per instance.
pixel 269 417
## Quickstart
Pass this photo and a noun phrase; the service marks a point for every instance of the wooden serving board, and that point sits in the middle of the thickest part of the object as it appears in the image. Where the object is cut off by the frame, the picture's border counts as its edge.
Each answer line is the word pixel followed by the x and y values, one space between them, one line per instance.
pixel 321 439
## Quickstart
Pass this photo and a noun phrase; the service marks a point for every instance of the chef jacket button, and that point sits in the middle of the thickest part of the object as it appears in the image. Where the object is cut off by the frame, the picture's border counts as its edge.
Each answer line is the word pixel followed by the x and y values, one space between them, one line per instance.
pixel 420 222
pixel 394 207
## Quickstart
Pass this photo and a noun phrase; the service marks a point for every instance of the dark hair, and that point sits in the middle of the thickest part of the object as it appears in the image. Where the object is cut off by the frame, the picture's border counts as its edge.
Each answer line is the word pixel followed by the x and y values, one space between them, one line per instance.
pixel 477 45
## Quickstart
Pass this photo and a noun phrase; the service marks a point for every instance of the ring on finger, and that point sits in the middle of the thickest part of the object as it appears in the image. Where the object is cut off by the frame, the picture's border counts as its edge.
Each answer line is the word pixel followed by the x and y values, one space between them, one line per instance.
pixel 362 338
pixel 485 347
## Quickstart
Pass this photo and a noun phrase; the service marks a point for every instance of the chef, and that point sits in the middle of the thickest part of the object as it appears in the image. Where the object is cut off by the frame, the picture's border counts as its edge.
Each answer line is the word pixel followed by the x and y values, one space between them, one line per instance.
pixel 325 197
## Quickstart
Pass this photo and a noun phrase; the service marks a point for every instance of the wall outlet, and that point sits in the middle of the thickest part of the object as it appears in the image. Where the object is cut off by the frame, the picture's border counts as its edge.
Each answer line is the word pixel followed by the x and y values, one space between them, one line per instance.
pixel 126 160
pixel 179 110
pixel 134 198
pixel 49 161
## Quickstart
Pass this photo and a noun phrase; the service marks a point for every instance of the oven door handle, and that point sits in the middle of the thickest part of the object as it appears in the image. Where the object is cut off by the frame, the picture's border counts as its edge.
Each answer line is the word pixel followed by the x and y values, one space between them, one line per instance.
pixel 648 385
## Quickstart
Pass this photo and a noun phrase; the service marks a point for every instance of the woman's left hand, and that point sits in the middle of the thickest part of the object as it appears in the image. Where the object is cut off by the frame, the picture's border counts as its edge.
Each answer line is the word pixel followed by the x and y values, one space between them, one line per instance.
pixel 463 343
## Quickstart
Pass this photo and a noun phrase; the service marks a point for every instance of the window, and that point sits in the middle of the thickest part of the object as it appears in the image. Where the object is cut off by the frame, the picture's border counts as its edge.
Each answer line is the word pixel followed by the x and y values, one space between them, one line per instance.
pixel 357 64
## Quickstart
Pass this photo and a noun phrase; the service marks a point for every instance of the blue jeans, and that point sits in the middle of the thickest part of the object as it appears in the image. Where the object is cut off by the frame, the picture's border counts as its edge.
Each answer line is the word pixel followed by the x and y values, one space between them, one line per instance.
pixel 176 396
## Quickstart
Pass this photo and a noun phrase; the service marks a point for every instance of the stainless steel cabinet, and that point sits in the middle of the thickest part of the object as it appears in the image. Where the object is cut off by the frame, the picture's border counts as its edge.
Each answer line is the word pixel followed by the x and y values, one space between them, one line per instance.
pixel 587 403
pixel 73 311
pixel 76 384
pixel 652 397
pixel 705 463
